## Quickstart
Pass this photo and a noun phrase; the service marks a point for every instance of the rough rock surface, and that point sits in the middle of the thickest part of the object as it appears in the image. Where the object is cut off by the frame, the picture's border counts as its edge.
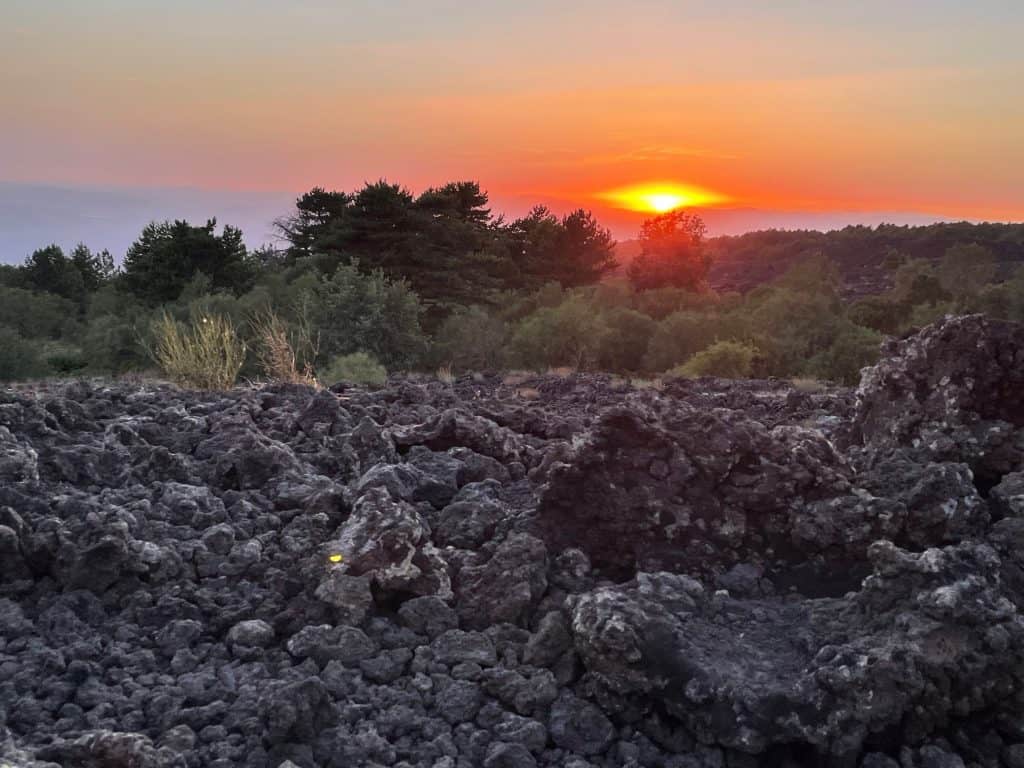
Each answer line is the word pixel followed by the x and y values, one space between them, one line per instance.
pixel 562 571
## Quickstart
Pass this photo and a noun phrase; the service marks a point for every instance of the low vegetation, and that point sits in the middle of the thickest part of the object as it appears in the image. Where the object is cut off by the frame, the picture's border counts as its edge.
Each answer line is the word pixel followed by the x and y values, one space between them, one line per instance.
pixel 727 359
pixel 355 368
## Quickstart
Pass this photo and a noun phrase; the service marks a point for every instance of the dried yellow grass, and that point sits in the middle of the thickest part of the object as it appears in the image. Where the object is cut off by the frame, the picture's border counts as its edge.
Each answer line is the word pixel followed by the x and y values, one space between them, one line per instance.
pixel 561 371
pixel 515 378
pixel 445 375
pixel 275 351
pixel 657 384
pixel 208 355
pixel 807 384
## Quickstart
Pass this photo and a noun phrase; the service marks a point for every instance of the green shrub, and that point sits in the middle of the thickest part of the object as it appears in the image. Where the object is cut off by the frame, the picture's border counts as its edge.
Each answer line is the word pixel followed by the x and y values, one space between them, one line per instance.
pixel 614 293
pixel 354 368
pixel 568 335
pixel 878 313
pixel 111 300
pixel 1005 300
pixel 659 303
pixel 624 346
pixel 917 282
pixel 926 314
pixel 18 356
pixel 853 349
pixel 355 312
pixel 678 337
pixel 966 268
pixel 814 273
pixel 514 306
pixel 789 327
pixel 63 359
pixel 471 340
pixel 112 345
pixel 208 355
pixel 725 359
pixel 38 315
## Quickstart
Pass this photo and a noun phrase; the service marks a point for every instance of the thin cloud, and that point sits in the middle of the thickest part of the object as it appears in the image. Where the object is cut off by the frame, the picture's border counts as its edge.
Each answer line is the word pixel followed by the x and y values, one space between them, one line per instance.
pixel 658 153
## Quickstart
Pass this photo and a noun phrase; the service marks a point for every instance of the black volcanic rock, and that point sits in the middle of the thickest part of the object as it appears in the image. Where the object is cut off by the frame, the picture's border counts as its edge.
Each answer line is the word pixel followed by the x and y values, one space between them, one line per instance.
pixel 450 575
pixel 674 487
pixel 952 392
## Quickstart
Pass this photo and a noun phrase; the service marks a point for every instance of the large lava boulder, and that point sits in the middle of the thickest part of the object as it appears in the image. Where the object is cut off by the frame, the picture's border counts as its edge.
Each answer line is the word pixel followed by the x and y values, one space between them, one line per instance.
pixel 930 636
pixel 665 486
pixel 952 392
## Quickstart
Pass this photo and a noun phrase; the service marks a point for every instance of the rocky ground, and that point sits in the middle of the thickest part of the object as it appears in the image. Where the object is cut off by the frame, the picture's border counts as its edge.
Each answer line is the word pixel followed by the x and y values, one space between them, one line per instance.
pixel 557 572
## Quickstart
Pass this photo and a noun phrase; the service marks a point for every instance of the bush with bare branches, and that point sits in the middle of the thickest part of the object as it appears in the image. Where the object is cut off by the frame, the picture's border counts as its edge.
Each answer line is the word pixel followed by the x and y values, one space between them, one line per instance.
pixel 285 354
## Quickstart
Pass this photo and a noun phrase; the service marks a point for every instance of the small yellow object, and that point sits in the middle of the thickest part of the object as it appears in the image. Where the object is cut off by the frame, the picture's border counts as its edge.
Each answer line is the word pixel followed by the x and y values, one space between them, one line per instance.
pixel 335 558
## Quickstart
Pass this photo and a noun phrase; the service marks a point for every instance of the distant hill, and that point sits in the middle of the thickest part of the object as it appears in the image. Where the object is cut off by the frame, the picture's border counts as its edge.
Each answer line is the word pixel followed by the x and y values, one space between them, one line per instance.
pixel 742 262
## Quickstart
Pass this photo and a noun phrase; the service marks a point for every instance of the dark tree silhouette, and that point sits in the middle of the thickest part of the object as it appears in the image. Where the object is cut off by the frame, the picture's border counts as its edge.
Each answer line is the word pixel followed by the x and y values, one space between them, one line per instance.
pixel 574 250
pixel 168 255
pixel 672 253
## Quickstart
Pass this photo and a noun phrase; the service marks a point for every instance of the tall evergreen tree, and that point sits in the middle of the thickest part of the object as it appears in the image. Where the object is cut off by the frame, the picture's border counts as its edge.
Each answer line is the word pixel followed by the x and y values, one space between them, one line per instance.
pixel 573 251
pixel 167 256
pixel 48 269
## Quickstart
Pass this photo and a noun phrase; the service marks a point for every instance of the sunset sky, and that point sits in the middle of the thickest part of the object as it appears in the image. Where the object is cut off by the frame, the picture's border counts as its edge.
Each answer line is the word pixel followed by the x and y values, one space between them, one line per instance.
pixel 826 110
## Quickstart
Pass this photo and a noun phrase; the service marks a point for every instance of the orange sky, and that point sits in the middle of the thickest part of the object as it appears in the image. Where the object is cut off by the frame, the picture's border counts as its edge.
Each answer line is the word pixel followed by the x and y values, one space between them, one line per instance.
pixel 911 107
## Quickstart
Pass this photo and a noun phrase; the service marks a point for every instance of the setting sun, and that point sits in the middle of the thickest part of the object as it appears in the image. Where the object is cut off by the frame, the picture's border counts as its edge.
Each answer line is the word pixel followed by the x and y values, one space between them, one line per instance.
pixel 665 202
pixel 660 197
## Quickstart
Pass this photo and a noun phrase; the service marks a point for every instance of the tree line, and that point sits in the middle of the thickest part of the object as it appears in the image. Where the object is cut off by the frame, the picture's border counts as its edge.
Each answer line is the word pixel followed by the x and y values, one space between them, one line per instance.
pixel 382 279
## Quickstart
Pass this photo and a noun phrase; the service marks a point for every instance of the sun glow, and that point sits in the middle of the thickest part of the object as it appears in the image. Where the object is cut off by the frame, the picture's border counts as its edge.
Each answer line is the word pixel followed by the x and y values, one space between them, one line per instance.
pixel 660 197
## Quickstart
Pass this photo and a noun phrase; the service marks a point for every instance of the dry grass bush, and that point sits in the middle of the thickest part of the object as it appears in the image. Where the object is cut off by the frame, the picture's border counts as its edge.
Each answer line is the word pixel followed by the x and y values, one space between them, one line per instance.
pixel 284 355
pixel 207 355
pixel 527 393
pixel 138 378
pixel 515 378
pixel 445 375
pixel 561 371
pixel 657 384
pixel 807 384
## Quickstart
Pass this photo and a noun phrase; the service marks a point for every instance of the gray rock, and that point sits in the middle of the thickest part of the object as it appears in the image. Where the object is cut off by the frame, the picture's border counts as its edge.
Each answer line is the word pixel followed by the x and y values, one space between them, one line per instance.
pixel 219 539
pixel 549 642
pixel 527 691
pixel 505 588
pixel 468 524
pixel 1007 498
pixel 428 615
pixel 579 726
pixel 501 755
pixel 387 541
pixel 246 638
pixel 350 595
pixel 868 545
pixel 515 729
pixel 316 642
pixel 459 701
pixel 386 667
pixel 1013 756
pixel 456 646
